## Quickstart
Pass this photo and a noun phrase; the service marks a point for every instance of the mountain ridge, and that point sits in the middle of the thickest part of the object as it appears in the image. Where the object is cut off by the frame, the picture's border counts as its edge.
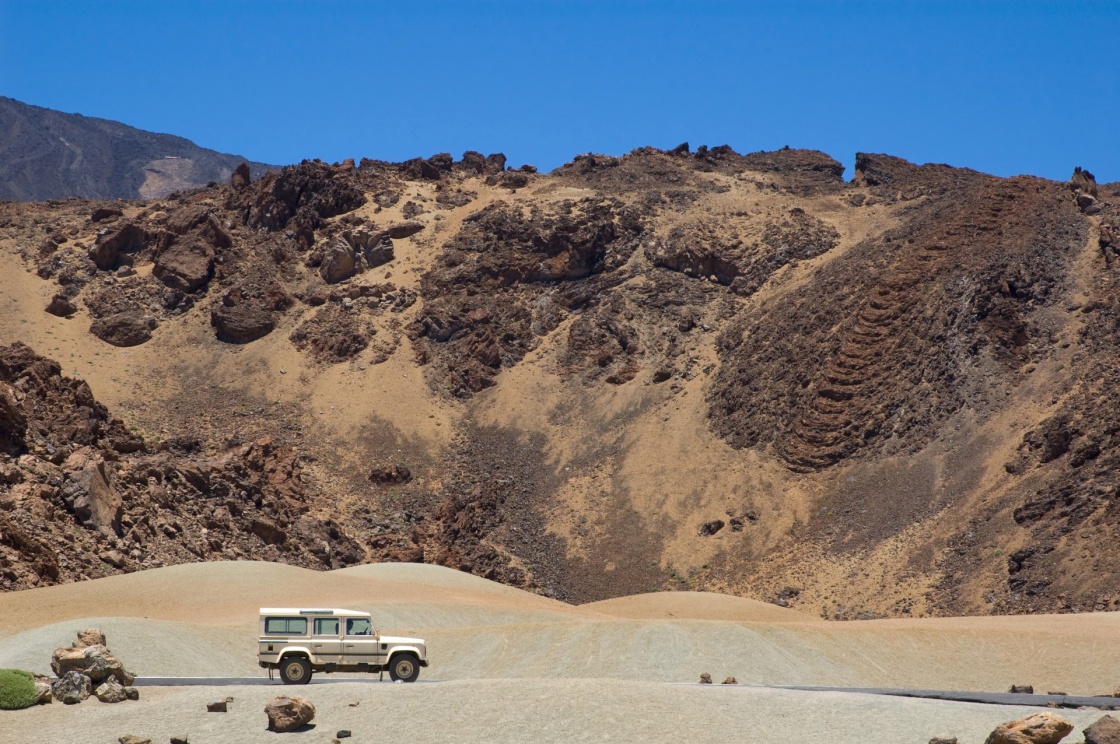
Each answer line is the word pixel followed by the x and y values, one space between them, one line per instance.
pixel 48 154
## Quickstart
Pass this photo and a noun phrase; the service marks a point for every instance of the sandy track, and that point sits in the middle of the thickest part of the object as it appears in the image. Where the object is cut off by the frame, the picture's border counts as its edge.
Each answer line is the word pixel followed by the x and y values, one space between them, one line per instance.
pixel 516 665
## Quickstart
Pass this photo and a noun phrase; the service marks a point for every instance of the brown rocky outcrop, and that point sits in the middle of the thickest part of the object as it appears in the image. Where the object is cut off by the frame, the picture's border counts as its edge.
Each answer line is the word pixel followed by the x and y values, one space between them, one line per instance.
pixel 89 493
pixel 288 713
pixel 186 265
pixel 240 178
pixel 299 197
pixel 13 421
pixel 112 243
pixel 339 261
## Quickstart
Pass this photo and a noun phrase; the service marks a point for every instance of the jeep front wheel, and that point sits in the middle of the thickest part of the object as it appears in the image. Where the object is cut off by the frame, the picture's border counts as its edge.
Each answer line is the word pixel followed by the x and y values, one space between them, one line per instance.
pixel 404 668
pixel 295 670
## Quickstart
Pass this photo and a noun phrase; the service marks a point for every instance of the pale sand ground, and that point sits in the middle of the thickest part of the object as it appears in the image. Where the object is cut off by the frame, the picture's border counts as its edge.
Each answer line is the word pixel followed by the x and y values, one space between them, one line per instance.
pixel 518 667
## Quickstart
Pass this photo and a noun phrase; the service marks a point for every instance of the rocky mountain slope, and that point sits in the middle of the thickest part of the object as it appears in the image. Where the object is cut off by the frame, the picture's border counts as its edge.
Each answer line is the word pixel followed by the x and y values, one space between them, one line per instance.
pixel 670 370
pixel 46 154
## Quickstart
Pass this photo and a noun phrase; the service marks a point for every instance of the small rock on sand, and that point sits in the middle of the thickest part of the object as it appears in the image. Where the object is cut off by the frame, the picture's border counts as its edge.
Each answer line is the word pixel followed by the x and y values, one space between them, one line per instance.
pixel 130 739
pixel 705 679
pixel 71 688
pixel 1105 731
pixel 110 691
pixel 1021 689
pixel 941 740
pixel 731 681
pixel 288 713
pixel 1040 728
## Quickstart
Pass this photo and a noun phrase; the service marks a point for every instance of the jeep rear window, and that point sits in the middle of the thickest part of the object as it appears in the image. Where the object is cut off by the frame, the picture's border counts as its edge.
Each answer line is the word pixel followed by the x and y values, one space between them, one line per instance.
pixel 285 625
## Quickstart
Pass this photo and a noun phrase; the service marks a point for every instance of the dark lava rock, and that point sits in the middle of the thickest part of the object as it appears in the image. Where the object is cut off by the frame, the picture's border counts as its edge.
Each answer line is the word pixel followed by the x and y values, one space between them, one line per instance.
pixel 241 324
pixel 240 177
pixel 111 243
pixel 61 307
pixel 710 528
pixel 105 213
pixel 390 474
pixel 404 230
pixel 186 266
pixel 130 328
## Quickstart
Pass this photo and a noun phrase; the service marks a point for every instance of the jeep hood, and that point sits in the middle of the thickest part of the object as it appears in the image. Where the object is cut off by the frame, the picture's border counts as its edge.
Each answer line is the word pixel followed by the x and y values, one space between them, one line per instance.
pixel 401 641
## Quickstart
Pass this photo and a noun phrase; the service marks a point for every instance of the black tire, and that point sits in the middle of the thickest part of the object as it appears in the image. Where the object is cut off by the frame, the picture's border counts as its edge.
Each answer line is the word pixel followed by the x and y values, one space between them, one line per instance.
pixel 295 670
pixel 404 667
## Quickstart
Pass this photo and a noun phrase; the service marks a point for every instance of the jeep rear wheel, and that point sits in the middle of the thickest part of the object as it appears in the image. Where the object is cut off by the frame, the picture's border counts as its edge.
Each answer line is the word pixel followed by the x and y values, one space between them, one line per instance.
pixel 404 667
pixel 295 670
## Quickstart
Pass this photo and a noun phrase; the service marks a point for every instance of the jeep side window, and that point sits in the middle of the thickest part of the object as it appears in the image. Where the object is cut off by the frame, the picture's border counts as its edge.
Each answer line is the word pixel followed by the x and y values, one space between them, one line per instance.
pixel 358 626
pixel 326 626
pixel 285 625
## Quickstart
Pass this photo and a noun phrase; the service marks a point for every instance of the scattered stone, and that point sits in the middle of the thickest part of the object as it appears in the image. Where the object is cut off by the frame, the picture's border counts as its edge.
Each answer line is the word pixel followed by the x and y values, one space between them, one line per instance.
pixel 339 261
pixel 404 230
pixel 710 528
pixel 179 740
pixel 1021 690
pixel 355 704
pixel 43 694
pixel 104 213
pixel 90 494
pixel 241 323
pixel 288 713
pixel 186 265
pixel 129 328
pixel 61 307
pixel 71 688
pixel 705 679
pixel 110 691
pixel 394 474
pixel 114 558
pixel 343 734
pixel 125 271
pixel 130 739
pixel 132 693
pixel 1039 728
pixel 730 681
pixel 1106 730
pixel 90 637
pixel 111 243
pixel 943 740
pixel 218 706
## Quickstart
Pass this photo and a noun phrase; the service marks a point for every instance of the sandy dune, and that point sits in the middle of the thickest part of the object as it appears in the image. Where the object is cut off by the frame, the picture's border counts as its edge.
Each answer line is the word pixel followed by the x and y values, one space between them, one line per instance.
pixel 514 665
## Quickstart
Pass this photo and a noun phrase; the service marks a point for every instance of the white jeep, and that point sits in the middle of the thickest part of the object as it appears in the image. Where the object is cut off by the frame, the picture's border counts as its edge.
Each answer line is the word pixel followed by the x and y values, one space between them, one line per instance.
pixel 301 641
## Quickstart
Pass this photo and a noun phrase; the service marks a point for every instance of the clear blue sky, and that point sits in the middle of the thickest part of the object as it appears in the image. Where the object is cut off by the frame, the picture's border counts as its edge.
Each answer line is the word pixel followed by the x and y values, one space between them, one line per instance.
pixel 1022 87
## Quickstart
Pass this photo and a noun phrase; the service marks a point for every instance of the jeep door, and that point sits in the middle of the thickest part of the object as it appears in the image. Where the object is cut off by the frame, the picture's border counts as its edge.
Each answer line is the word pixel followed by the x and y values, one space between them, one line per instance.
pixel 326 640
pixel 359 644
